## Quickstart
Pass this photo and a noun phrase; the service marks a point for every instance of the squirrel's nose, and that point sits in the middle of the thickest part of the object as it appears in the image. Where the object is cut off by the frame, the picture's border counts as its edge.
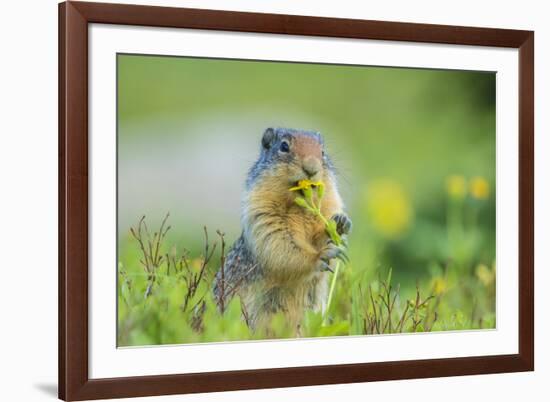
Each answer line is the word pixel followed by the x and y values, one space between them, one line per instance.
pixel 311 166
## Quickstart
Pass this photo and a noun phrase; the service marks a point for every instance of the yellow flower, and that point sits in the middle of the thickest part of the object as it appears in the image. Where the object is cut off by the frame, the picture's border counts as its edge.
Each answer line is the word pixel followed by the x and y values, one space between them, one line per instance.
pixel 388 207
pixel 306 185
pixel 479 188
pixel 439 285
pixel 456 186
pixel 485 274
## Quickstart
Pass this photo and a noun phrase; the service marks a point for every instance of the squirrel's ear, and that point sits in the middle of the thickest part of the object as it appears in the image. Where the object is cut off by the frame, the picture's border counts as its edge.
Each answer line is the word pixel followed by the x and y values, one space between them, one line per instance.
pixel 268 138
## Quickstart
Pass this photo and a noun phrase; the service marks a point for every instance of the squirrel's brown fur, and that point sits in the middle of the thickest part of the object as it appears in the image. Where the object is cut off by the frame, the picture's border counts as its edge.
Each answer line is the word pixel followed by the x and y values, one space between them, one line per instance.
pixel 277 263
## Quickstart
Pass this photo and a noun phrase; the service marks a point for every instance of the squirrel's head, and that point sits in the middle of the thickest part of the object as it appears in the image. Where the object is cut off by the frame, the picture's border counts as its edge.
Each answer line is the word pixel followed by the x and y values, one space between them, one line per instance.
pixel 291 155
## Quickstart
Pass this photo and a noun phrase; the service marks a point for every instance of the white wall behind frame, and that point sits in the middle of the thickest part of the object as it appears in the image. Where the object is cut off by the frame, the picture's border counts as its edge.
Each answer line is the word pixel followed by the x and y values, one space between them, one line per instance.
pixel 28 162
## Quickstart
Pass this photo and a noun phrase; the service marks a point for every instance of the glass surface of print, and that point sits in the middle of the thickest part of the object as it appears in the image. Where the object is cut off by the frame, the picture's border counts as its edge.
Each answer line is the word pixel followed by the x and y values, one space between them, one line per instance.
pixel 260 168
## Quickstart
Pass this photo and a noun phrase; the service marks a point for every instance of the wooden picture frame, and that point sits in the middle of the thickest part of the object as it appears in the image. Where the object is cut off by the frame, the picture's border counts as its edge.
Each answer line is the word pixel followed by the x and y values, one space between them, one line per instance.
pixel 74 381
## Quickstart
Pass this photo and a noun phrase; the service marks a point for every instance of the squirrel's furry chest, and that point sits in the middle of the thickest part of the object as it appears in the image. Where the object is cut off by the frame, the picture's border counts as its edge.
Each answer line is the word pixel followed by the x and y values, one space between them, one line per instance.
pixel 308 225
pixel 285 239
pixel 275 264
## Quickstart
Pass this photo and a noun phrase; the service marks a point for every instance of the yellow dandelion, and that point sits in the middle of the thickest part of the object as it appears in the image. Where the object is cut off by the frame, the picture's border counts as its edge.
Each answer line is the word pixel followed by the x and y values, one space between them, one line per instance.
pixel 306 185
pixel 388 207
pixel 456 186
pixel 479 188
pixel 485 274
pixel 439 285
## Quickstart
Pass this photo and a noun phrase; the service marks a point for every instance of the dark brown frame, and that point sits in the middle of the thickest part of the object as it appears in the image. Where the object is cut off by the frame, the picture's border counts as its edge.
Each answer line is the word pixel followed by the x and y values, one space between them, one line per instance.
pixel 74 17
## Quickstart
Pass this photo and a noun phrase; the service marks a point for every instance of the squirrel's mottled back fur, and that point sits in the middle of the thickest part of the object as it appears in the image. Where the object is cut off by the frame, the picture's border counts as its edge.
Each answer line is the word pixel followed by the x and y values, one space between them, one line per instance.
pixel 280 261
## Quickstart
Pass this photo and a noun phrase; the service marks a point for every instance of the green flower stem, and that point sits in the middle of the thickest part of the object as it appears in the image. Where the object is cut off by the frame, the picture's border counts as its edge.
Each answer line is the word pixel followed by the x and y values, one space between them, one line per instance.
pixel 330 227
pixel 309 204
pixel 331 292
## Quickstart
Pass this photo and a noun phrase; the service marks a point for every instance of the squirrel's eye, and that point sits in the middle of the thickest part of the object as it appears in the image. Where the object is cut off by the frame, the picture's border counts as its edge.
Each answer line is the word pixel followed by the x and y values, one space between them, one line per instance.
pixel 284 147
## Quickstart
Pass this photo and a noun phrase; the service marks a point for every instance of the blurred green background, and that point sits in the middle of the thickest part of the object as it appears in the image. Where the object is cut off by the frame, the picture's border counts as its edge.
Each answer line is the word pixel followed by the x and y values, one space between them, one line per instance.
pixel 414 149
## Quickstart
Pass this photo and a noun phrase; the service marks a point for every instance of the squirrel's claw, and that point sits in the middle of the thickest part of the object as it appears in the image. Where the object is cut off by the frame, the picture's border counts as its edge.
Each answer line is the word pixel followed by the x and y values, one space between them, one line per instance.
pixel 324 266
pixel 332 251
pixel 343 257
pixel 343 223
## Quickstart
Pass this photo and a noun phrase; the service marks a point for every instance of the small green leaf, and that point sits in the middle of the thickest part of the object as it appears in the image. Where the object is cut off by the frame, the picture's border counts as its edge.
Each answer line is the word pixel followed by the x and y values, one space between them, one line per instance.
pixel 308 194
pixel 304 204
pixel 332 231
pixel 320 191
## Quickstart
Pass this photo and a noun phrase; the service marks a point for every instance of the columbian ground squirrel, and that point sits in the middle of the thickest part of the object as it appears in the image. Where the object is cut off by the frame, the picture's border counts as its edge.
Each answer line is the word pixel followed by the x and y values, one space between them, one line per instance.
pixel 280 262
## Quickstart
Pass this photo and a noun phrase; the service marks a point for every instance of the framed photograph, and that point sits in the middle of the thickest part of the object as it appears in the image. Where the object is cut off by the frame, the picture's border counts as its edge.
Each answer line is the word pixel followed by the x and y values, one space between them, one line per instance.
pixel 260 200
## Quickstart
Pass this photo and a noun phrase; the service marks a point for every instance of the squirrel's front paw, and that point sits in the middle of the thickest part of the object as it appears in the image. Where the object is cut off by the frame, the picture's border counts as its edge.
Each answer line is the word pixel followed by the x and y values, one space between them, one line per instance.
pixel 343 223
pixel 329 252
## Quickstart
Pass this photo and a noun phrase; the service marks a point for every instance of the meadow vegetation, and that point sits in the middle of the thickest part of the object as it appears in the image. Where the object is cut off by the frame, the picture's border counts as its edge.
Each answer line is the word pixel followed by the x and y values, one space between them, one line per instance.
pixel 165 292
